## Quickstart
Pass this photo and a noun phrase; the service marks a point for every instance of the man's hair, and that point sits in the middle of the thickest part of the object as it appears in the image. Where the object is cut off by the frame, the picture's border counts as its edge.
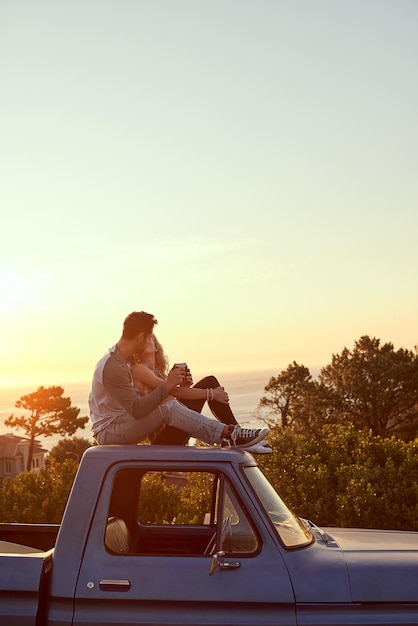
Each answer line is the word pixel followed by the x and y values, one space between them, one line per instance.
pixel 138 322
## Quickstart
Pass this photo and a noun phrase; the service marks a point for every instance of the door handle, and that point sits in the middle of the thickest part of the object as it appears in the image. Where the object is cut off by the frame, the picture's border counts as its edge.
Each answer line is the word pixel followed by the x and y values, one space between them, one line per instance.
pixel 115 584
pixel 228 565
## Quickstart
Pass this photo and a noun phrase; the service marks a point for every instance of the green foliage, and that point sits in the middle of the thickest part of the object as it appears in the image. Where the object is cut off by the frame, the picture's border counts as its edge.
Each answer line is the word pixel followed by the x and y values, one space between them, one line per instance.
pixel 286 395
pixel 73 447
pixel 37 498
pixel 375 387
pixel 196 499
pixel 372 386
pixel 49 414
pixel 183 503
pixel 159 502
pixel 350 478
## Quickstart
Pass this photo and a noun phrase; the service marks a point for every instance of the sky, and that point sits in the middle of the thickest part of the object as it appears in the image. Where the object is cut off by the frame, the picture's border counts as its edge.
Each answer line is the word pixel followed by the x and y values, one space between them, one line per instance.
pixel 244 170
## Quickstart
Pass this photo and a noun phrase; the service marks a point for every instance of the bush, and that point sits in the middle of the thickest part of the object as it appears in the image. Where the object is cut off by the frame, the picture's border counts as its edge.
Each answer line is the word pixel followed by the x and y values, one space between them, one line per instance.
pixel 351 478
pixel 37 498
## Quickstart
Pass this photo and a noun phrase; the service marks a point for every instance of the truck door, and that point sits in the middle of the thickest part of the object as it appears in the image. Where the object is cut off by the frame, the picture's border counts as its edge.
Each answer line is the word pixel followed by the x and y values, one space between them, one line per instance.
pixel 179 546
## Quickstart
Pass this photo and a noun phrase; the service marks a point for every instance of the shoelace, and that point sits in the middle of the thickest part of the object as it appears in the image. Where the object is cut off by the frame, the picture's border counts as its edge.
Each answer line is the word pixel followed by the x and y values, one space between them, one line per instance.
pixel 243 433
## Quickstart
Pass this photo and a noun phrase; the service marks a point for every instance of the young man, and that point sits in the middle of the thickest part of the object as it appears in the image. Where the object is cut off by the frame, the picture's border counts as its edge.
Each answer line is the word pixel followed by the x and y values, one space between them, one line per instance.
pixel 121 416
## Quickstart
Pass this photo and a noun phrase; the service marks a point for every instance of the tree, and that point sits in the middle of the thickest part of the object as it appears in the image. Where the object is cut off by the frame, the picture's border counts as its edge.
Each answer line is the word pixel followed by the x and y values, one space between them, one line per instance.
pixel 374 387
pixel 37 498
pixel 70 448
pixel 285 393
pixel 184 503
pixel 49 414
pixel 351 478
pixel 159 503
pixel 296 399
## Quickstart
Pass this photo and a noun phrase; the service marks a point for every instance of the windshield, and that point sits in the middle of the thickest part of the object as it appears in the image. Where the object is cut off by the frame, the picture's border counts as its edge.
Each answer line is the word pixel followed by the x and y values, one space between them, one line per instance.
pixel 289 527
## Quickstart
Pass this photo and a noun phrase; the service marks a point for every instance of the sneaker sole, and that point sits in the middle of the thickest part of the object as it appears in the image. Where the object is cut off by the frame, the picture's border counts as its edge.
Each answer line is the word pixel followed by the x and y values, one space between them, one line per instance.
pixel 262 435
pixel 258 448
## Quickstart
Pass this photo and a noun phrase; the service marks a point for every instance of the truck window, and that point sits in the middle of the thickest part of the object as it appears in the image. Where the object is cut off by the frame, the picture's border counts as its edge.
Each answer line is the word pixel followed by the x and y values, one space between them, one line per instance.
pixel 288 526
pixel 178 513
pixel 201 506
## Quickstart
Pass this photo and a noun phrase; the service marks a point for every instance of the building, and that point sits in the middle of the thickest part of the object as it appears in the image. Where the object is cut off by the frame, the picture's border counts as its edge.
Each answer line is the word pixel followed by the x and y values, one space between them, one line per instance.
pixel 14 453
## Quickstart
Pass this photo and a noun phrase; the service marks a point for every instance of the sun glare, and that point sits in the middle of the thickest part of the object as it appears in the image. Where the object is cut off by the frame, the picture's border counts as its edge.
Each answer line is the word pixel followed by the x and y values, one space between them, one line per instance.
pixel 16 289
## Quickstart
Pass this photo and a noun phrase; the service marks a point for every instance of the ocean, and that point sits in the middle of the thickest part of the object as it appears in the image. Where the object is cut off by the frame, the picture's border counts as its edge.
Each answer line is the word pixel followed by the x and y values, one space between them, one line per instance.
pixel 244 388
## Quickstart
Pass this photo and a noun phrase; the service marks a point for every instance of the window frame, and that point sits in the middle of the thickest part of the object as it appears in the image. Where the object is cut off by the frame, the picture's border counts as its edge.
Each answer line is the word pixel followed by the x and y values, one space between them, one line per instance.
pixel 222 479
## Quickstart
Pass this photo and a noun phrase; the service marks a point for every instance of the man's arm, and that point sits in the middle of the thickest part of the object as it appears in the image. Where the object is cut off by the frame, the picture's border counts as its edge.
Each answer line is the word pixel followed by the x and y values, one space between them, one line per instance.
pixel 118 382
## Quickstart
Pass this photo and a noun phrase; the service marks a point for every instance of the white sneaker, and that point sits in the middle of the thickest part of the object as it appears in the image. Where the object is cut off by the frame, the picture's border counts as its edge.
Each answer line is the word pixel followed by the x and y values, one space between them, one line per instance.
pixel 258 448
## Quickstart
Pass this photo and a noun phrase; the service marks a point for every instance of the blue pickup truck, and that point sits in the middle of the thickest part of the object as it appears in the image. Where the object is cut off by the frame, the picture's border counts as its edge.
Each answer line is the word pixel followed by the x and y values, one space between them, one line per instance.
pixel 156 535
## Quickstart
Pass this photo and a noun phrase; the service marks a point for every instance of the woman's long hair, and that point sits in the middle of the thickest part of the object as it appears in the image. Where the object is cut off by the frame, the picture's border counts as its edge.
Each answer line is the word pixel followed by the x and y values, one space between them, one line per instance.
pixel 161 360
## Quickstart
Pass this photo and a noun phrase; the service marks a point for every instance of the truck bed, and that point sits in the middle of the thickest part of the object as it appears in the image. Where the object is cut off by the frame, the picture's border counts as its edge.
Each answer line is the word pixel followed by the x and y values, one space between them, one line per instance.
pixel 39 536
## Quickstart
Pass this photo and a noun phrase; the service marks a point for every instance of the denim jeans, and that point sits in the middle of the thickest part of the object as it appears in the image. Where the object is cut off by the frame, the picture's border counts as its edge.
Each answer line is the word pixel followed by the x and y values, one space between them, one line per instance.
pixel 171 436
pixel 127 430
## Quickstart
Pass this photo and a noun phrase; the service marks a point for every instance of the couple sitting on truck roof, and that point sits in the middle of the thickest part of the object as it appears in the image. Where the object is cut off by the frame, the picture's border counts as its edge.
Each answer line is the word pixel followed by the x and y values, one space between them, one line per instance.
pixel 127 405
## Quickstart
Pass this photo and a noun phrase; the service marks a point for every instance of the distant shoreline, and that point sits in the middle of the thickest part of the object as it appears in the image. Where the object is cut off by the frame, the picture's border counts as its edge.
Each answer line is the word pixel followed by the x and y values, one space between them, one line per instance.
pixel 9 394
pixel 245 390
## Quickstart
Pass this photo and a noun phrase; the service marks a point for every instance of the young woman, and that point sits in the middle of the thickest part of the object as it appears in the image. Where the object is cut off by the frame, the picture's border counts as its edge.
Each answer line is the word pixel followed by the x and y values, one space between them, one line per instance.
pixel 151 366
pixel 121 415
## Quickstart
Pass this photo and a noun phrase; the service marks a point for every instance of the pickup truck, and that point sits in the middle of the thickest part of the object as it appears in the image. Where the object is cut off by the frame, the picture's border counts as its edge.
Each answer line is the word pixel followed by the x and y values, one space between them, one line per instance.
pixel 156 535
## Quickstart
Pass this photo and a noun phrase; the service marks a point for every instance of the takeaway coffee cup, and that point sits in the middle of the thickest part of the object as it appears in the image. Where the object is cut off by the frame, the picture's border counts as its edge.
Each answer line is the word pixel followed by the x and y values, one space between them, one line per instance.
pixel 188 380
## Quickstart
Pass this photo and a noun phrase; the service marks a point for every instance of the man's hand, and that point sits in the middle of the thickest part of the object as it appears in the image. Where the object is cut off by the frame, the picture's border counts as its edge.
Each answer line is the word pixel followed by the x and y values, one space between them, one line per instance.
pixel 176 376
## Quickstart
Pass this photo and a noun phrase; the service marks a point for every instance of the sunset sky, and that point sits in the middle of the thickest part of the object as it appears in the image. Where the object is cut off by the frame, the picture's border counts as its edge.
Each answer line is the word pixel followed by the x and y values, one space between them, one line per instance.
pixel 245 170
